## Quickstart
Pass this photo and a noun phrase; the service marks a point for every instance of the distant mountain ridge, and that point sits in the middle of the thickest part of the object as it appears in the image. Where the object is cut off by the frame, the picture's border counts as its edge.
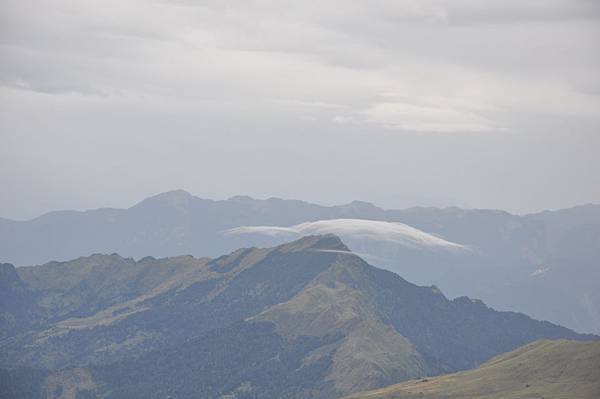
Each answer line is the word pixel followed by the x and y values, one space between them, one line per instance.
pixel 181 212
pixel 544 264
pixel 303 319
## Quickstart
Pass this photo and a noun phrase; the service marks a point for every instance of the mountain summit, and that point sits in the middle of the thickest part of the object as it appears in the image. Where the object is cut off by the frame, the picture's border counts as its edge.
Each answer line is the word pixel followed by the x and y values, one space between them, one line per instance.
pixel 172 197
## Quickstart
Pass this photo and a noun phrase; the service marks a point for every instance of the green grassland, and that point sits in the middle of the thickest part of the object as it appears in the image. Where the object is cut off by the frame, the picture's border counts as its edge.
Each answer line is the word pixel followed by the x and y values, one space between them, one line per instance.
pixel 560 369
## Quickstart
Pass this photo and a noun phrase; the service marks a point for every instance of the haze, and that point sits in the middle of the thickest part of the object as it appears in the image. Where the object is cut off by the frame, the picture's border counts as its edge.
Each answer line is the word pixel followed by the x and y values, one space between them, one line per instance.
pixel 490 104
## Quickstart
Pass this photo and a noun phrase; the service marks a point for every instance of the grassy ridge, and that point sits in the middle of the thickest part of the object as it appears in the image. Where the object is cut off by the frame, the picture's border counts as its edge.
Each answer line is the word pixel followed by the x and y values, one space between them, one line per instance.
pixel 544 369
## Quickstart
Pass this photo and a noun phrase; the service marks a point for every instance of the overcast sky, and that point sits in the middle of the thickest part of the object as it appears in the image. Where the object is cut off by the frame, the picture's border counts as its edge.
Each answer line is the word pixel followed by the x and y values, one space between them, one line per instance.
pixel 487 104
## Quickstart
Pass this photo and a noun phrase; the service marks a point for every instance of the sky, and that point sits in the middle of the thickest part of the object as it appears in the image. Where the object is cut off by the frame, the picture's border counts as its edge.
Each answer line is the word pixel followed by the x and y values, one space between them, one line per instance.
pixel 471 103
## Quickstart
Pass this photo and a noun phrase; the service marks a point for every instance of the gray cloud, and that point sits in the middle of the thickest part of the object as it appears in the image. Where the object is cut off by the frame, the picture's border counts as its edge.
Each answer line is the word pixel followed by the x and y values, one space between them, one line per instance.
pixel 296 90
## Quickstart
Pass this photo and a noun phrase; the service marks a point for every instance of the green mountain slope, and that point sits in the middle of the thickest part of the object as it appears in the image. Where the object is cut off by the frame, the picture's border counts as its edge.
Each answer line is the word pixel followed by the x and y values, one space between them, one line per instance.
pixel 85 285
pixel 303 319
pixel 544 369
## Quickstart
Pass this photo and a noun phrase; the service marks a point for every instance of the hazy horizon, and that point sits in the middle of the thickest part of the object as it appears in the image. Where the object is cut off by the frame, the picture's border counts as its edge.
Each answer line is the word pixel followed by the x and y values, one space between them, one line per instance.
pixel 316 202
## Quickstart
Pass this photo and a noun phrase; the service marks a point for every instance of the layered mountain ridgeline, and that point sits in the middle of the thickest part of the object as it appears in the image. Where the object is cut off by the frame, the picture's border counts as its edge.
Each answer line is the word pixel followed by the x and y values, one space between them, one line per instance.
pixel 543 264
pixel 177 222
pixel 544 369
pixel 304 319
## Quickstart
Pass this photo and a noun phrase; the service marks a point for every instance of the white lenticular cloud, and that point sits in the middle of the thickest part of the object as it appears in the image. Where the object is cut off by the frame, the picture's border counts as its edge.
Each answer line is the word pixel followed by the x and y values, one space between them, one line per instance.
pixel 271 231
pixel 357 229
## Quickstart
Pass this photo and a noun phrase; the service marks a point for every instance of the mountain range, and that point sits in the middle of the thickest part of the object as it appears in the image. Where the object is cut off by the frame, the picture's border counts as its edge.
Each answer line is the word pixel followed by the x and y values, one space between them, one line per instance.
pixel 305 319
pixel 544 264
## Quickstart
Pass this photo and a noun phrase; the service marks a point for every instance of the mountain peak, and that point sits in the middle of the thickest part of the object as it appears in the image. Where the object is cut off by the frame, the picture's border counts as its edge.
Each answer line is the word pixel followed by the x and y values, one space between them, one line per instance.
pixel 362 206
pixel 173 195
pixel 362 203
pixel 177 198
pixel 241 198
pixel 324 242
